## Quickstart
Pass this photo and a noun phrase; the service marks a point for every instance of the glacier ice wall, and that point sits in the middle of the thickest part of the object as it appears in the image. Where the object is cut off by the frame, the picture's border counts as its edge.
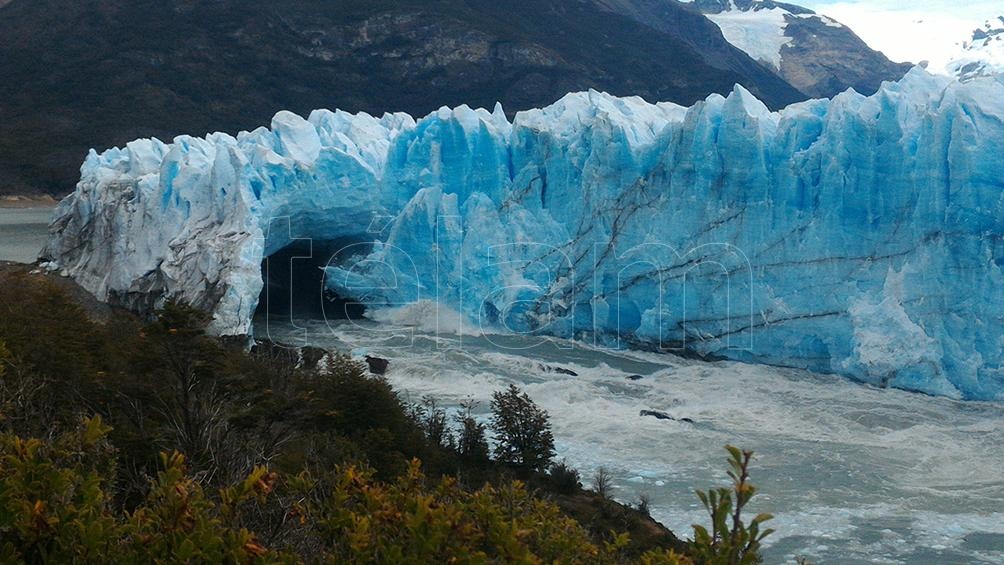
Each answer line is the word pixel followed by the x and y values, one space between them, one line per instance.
pixel 858 235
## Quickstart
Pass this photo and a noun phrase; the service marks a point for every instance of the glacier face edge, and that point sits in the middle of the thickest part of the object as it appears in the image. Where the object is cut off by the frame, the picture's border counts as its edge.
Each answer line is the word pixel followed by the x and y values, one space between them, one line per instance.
pixel 859 235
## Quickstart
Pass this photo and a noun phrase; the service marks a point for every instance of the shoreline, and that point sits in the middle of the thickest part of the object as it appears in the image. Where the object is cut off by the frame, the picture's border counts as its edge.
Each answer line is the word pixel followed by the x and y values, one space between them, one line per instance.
pixel 16 201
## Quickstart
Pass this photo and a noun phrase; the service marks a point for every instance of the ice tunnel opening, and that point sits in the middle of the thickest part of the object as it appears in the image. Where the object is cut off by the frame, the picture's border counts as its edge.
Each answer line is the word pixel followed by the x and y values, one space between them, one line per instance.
pixel 294 281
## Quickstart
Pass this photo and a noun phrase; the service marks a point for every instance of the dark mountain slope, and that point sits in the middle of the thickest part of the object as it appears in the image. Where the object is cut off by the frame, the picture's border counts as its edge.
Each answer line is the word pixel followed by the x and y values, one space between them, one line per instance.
pixel 691 27
pixel 97 73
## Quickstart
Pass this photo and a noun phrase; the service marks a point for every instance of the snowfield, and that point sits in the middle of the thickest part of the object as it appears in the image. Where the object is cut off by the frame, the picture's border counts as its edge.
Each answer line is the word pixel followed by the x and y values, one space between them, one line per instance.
pixel 760 33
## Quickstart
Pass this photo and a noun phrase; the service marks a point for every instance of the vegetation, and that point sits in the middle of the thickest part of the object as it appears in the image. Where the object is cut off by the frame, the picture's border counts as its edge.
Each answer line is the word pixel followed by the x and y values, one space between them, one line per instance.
pixel 603 482
pixel 472 444
pixel 522 430
pixel 150 442
pixel 731 542
pixel 56 506
pixel 566 479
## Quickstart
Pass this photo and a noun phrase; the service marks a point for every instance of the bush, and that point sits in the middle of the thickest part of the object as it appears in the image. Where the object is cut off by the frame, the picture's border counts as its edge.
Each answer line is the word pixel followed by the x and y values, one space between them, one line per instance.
pixel 735 543
pixel 644 504
pixel 522 431
pixel 53 354
pixel 55 508
pixel 223 416
pixel 4 358
pixel 360 520
pixel 565 479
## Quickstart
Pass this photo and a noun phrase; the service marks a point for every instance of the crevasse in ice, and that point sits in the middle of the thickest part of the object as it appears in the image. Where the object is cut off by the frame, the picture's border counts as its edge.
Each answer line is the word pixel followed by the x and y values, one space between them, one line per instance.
pixel 858 235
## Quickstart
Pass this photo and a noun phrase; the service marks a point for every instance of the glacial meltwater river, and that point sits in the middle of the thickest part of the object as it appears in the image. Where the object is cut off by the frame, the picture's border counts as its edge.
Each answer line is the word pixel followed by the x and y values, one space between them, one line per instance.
pixel 853 474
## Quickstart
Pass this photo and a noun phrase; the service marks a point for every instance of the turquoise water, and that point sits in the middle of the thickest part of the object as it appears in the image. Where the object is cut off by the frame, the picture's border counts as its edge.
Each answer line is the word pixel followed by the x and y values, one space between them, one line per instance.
pixel 22 233
pixel 854 474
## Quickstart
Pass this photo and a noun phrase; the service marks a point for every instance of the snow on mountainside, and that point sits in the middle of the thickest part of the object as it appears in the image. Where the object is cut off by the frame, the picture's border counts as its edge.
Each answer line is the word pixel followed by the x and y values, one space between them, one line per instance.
pixel 815 53
pixel 759 29
pixel 859 235
pixel 983 55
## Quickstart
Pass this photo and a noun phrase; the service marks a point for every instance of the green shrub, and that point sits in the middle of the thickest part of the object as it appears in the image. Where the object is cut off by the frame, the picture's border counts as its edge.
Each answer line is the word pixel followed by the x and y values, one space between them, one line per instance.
pixel 84 494
pixel 730 541
pixel 55 508
pixel 433 421
pixel 522 431
pixel 53 354
pixel 644 504
pixel 360 520
pixel 4 358
pixel 565 478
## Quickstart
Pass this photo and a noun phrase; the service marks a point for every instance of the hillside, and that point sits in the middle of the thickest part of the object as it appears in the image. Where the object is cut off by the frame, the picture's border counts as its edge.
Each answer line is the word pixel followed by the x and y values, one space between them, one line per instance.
pixel 98 73
pixel 159 397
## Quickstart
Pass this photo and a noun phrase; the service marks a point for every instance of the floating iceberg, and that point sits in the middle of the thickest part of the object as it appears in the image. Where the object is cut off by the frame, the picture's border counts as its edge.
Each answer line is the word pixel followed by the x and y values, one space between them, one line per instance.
pixel 859 235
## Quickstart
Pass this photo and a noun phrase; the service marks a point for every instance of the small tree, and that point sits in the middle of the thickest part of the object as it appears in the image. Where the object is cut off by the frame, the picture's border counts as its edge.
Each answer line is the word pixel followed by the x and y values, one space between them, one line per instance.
pixel 735 543
pixel 471 443
pixel 432 419
pixel 522 430
pixel 644 504
pixel 603 483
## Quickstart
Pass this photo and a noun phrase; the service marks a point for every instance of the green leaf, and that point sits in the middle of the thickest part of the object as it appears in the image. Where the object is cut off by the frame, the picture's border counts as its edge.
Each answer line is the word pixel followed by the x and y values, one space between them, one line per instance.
pixel 703 497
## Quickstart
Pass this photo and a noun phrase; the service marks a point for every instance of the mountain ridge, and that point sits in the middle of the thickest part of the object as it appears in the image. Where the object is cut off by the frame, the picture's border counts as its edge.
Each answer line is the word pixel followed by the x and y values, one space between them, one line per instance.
pixel 99 73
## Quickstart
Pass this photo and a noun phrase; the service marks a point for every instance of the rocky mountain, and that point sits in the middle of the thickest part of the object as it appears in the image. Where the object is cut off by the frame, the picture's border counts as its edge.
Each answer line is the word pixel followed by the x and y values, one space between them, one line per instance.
pixel 814 53
pixel 982 55
pixel 97 73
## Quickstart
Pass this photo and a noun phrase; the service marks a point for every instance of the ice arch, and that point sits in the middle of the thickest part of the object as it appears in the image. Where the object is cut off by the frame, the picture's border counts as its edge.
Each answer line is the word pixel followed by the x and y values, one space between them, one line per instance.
pixel 870 228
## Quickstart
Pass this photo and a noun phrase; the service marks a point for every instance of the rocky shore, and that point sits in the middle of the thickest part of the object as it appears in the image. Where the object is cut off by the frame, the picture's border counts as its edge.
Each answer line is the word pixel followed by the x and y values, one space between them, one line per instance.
pixel 27 201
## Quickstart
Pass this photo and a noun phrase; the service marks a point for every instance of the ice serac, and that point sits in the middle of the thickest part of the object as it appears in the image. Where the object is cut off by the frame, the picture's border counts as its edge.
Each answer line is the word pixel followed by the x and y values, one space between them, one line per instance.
pixel 859 235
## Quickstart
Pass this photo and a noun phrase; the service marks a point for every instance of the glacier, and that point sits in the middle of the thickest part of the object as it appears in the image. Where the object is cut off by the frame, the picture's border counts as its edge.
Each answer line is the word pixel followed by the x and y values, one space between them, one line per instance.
pixel 862 236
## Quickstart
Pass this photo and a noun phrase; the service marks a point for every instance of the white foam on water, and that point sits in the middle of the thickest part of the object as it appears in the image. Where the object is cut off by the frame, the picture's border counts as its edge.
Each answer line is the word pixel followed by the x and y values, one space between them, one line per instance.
pixel 852 472
pixel 428 316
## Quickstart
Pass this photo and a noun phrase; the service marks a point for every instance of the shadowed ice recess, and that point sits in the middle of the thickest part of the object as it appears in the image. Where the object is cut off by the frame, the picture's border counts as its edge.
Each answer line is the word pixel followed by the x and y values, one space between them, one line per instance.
pixel 862 236
pixel 855 474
